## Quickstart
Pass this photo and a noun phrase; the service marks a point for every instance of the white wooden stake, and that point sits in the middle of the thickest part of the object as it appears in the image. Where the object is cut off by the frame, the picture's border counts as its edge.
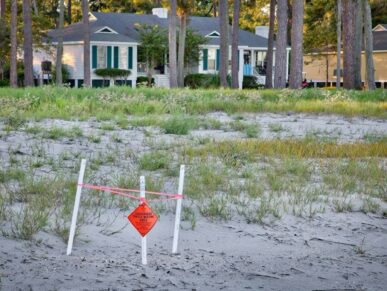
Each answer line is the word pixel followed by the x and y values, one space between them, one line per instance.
pixel 143 239
pixel 178 210
pixel 76 207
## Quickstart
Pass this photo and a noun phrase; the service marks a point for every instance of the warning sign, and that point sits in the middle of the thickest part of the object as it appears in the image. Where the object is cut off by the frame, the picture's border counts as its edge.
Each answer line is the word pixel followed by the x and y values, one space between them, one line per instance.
pixel 143 219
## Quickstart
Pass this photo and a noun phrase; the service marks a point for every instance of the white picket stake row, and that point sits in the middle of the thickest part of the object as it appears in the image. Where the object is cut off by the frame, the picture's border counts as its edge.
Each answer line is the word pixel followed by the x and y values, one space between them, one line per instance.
pixel 142 195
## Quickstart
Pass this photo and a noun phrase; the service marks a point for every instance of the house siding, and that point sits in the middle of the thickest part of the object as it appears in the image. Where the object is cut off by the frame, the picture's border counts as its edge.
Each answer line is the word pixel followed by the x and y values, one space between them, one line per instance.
pixel 315 67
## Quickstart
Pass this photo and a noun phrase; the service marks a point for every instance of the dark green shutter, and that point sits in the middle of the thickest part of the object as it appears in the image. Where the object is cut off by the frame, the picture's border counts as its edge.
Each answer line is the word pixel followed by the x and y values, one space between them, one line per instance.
pixel 205 59
pixel 109 56
pixel 130 58
pixel 217 59
pixel 94 56
pixel 116 57
pixel 238 61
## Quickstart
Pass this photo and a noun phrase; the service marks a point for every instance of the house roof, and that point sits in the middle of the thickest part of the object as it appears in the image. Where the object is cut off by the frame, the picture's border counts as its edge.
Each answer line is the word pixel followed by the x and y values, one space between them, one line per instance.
pixel 380 27
pixel 125 26
pixel 380 40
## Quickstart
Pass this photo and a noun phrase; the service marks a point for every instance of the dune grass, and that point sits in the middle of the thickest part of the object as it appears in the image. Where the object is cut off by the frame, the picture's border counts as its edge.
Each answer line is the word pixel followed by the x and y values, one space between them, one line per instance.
pixel 17 105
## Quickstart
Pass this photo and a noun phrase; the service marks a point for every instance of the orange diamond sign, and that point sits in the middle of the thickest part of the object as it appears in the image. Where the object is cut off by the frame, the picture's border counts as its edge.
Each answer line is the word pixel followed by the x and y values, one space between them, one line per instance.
pixel 143 219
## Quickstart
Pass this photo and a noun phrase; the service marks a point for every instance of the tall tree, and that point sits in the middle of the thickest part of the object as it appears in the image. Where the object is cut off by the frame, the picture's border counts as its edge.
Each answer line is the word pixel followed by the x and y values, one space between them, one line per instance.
pixel 59 48
pixel 13 61
pixel 370 71
pixel 270 45
pixel 86 44
pixel 183 11
pixel 234 45
pixel 27 45
pixel 172 45
pixel 358 42
pixel 280 54
pixel 69 12
pixel 349 43
pixel 223 23
pixel 338 51
pixel 295 79
pixel 2 9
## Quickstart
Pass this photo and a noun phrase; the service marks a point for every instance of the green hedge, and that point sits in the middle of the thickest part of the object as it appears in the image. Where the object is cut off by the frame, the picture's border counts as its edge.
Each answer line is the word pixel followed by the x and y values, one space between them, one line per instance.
pixel 195 81
pixel 144 79
pixel 250 82
pixel 112 73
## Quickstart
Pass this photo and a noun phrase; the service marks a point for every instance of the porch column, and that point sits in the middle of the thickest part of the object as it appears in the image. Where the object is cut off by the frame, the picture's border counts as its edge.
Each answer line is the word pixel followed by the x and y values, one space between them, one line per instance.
pixel 252 62
pixel 240 72
pixel 287 65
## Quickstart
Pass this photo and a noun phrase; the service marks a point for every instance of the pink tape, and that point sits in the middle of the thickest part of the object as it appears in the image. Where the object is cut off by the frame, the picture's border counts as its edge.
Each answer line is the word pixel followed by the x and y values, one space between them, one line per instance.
pixel 121 192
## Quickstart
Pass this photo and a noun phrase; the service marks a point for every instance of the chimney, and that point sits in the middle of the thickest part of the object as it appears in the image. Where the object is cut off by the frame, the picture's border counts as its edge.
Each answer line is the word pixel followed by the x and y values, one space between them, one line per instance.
pixel 160 12
pixel 262 31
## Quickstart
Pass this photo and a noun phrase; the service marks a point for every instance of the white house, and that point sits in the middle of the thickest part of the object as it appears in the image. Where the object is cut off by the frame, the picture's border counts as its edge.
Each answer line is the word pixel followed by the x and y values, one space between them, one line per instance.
pixel 114 42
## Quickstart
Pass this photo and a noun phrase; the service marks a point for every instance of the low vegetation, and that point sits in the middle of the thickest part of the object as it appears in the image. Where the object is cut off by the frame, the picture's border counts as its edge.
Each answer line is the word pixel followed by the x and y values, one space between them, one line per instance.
pixel 151 132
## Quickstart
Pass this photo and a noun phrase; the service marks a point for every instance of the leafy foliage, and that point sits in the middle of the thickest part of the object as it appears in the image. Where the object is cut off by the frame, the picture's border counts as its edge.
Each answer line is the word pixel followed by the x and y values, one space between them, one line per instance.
pixel 112 73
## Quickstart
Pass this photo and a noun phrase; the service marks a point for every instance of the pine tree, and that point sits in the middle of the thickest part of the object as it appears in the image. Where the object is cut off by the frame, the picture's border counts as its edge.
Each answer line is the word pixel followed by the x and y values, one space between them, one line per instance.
pixel 86 44
pixel 223 23
pixel 234 45
pixel 13 61
pixel 368 43
pixel 349 43
pixel 295 79
pixel 280 54
pixel 27 45
pixel 59 48
pixel 270 45
pixel 172 45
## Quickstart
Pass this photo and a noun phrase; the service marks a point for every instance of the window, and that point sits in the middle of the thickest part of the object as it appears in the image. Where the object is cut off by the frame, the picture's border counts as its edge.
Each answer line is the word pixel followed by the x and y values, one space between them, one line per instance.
pixel 212 59
pixel 213 34
pixel 101 57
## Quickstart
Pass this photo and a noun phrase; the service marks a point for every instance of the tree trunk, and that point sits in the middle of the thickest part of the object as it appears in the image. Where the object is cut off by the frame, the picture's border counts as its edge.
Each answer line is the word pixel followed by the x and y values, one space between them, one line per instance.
pixel 348 44
pixel 2 9
pixel 27 46
pixel 338 53
pixel 297 59
pixel 223 23
pixel 234 45
pixel 326 69
pixel 86 44
pixel 280 54
pixel 214 8
pixel 370 71
pixel 59 48
pixel 13 61
pixel 36 11
pixel 270 44
pixel 180 57
pixel 358 43
pixel 69 13
pixel 172 46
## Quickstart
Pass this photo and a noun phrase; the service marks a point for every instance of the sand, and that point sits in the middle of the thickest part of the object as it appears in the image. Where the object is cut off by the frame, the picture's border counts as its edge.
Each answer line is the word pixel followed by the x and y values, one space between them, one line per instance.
pixel 331 251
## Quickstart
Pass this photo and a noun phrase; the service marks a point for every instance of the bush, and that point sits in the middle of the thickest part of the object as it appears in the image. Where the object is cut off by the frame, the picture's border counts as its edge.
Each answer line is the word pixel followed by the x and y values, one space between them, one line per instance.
pixel 180 125
pixel 196 81
pixel 250 82
pixel 4 83
pixel 65 74
pixel 112 73
pixel 144 79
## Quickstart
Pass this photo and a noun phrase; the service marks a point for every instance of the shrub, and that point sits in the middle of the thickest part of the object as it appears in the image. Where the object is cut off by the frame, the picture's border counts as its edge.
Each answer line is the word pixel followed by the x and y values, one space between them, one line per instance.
pixel 180 125
pixel 112 73
pixel 196 81
pixel 65 73
pixel 154 160
pixel 250 82
pixel 144 80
